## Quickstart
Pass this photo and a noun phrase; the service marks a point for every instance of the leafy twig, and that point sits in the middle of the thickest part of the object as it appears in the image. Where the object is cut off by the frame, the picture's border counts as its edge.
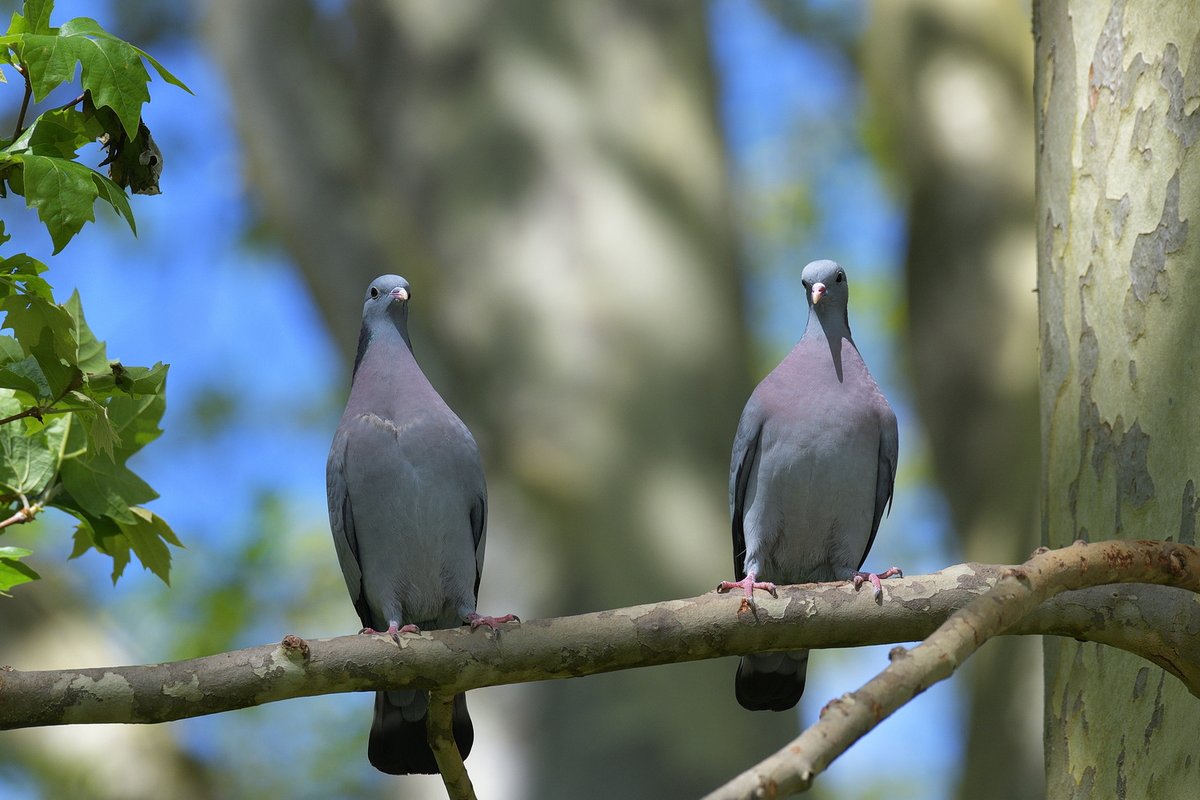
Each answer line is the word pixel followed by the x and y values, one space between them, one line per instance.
pixel 1018 593
pixel 42 409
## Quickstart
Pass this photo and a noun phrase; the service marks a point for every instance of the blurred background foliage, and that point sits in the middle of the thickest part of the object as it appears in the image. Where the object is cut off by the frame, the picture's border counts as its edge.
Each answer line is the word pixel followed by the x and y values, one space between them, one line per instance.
pixel 603 208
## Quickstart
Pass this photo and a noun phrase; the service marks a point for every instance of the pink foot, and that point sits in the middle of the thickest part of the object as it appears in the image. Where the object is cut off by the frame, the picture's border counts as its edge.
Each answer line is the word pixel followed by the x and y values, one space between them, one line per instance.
pixel 478 620
pixel 860 577
pixel 393 629
pixel 747 585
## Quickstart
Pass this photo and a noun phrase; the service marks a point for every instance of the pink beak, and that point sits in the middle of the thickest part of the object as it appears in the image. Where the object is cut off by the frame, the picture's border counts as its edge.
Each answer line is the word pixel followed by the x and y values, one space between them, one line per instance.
pixel 818 291
pixel 399 293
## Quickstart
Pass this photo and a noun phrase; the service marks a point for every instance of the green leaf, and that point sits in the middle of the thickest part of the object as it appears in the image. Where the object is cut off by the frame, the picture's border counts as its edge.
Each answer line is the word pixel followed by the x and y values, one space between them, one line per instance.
pixel 62 191
pixel 12 571
pixel 101 436
pixel 104 488
pixel 103 534
pixel 29 460
pixel 89 27
pixel 90 353
pixel 148 535
pixel 140 380
pixel 22 273
pixel 59 133
pixel 10 350
pixel 25 376
pixel 108 190
pixel 29 316
pixel 112 70
pixel 37 15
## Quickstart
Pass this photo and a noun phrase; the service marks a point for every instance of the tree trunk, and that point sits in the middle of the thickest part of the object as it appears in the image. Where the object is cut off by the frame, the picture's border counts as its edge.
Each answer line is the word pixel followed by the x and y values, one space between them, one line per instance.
pixel 952 114
pixel 550 178
pixel 1117 91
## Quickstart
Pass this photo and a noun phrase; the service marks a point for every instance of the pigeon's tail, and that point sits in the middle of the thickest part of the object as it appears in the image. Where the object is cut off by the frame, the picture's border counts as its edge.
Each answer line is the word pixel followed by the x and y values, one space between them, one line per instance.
pixel 771 681
pixel 398 743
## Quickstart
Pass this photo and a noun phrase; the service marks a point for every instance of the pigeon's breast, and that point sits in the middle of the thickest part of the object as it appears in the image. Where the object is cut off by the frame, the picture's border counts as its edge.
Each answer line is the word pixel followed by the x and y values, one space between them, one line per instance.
pixel 816 484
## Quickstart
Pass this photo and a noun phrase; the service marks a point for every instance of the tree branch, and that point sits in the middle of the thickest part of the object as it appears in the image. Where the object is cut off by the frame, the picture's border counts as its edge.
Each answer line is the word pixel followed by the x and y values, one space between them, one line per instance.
pixel 440 731
pixel 810 616
pixel 1018 592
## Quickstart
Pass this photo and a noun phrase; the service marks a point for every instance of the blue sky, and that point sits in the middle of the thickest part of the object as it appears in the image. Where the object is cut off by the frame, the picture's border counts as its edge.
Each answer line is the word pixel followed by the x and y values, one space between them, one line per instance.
pixel 192 291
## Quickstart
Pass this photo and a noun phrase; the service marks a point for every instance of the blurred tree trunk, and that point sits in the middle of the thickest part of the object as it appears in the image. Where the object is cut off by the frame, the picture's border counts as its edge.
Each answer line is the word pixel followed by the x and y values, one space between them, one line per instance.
pixel 550 178
pixel 950 85
pixel 1118 86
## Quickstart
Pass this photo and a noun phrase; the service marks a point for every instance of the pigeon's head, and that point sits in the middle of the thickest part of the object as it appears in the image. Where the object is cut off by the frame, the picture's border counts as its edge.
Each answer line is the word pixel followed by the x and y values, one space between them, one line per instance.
pixel 825 283
pixel 387 298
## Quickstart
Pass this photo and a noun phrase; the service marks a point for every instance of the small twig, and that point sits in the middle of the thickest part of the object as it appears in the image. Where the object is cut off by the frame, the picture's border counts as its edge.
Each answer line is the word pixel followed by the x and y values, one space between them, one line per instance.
pixel 70 103
pixel 24 514
pixel 440 731
pixel 24 102
pixel 1018 593
pixel 41 410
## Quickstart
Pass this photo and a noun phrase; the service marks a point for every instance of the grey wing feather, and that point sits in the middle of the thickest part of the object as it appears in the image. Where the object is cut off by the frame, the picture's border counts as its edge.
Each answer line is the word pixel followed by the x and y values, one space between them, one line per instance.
pixel 745 454
pixel 885 479
pixel 341 521
pixel 479 533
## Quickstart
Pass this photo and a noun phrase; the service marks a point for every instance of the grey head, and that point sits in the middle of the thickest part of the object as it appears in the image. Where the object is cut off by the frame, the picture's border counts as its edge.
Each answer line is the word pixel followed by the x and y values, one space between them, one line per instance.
pixel 828 292
pixel 384 306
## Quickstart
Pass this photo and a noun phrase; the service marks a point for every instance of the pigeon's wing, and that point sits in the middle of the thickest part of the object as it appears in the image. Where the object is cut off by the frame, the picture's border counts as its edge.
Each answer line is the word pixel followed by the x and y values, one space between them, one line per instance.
pixel 885 477
pixel 745 455
pixel 341 521
pixel 479 534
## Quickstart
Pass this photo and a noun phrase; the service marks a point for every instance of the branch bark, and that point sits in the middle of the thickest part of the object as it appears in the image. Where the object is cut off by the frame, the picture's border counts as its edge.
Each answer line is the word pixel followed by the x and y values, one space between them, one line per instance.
pixel 708 626
pixel 445 749
pixel 1017 593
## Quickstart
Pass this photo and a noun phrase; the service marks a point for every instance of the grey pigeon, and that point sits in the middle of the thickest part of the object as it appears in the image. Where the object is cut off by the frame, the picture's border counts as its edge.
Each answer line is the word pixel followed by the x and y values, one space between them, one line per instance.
pixel 814 463
pixel 408 509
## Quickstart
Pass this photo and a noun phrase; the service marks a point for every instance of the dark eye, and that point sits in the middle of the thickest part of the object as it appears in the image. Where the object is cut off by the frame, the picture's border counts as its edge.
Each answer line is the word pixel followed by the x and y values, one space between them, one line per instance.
pixel 374 292
pixel 840 276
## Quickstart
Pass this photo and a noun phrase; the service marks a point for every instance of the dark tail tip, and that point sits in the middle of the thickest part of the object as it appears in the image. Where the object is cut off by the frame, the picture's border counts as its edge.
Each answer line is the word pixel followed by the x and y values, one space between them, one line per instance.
pixel 771 682
pixel 401 747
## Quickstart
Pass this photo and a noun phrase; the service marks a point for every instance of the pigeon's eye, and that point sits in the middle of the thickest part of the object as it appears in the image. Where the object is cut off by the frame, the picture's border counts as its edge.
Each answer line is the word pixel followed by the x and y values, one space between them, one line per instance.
pixel 805 285
pixel 840 276
pixel 374 292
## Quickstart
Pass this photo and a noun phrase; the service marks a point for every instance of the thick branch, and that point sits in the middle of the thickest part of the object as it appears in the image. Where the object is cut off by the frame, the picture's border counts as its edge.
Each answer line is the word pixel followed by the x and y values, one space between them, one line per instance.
pixel 814 616
pixel 1017 594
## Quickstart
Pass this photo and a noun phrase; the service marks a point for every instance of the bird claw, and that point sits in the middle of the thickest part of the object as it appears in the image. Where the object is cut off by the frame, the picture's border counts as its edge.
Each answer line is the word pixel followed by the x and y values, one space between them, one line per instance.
pixel 394 630
pixel 861 577
pixel 479 620
pixel 748 585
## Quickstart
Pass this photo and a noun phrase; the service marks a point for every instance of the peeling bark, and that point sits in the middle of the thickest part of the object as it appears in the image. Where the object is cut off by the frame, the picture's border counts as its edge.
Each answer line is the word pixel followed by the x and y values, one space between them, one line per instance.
pixel 1145 619
pixel 1118 93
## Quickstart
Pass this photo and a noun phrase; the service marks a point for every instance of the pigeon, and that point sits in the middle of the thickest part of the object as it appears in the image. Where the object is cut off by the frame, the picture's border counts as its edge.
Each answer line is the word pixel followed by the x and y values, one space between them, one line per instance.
pixel 408 511
pixel 813 467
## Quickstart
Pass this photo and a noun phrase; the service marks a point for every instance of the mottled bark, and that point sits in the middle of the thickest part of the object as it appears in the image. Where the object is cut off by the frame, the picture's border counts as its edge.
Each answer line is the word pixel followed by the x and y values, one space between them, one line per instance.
pixel 1017 594
pixel 1117 93
pixel 670 632
pixel 550 178
pixel 952 116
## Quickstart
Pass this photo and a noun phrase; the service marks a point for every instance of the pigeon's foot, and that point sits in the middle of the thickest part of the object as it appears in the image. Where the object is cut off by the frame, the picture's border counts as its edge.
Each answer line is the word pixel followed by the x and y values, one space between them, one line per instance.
pixel 393 629
pixel 860 577
pixel 478 620
pixel 747 584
